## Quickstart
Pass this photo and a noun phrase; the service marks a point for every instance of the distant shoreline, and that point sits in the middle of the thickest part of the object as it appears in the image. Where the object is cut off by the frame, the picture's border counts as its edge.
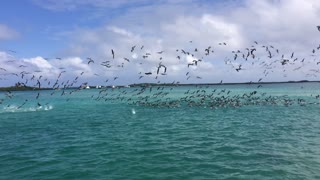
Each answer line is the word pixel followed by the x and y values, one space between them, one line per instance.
pixel 29 88
pixel 210 84
pixel 23 88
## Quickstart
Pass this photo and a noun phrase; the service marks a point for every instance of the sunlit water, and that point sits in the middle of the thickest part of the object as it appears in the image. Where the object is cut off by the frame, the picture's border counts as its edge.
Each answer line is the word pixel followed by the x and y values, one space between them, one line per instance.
pixel 79 137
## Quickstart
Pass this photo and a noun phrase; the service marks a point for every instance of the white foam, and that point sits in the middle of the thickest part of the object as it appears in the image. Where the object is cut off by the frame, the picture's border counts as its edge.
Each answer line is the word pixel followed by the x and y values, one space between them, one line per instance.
pixel 48 107
pixel 133 111
pixel 14 108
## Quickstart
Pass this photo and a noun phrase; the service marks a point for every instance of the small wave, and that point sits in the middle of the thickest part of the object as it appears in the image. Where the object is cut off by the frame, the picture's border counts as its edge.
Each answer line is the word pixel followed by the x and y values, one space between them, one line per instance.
pixel 14 108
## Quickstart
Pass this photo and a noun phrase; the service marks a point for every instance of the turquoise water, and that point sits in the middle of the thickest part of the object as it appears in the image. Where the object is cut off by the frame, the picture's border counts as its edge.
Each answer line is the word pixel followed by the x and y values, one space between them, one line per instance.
pixel 87 135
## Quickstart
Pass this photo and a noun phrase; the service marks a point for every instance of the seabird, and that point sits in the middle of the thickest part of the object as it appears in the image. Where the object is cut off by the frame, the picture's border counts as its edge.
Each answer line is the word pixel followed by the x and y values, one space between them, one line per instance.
pixel 112 52
pixel 90 60
pixel 132 48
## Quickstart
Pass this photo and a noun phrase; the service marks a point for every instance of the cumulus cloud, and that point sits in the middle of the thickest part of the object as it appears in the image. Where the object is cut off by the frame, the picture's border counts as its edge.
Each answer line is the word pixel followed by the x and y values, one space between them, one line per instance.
pixel 15 69
pixel 286 25
pixel 39 62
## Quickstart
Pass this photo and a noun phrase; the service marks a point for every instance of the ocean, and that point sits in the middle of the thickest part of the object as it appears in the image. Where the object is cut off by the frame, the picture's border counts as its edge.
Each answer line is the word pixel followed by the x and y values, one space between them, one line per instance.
pixel 174 132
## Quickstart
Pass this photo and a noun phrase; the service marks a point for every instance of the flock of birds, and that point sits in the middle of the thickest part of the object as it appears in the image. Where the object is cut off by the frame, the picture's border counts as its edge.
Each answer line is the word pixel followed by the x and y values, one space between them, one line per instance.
pixel 267 58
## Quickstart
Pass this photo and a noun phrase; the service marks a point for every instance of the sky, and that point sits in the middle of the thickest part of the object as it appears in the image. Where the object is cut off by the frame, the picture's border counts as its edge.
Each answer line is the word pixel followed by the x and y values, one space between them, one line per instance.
pixel 49 38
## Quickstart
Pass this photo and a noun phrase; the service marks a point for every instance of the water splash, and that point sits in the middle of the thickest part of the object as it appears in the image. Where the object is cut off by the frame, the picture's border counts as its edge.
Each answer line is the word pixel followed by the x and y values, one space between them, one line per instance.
pixel 133 111
pixel 15 108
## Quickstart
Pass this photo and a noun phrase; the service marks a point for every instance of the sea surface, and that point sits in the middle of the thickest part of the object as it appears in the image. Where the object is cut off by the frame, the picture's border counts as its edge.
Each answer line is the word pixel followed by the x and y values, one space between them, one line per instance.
pixel 120 134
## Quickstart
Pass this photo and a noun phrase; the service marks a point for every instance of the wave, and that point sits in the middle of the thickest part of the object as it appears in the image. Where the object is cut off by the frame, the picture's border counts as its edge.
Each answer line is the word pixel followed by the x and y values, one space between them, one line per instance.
pixel 15 108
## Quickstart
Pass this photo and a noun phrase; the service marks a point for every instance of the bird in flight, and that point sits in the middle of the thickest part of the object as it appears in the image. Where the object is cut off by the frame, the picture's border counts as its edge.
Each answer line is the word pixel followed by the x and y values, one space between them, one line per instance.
pixel 112 52
pixel 132 48
pixel 90 60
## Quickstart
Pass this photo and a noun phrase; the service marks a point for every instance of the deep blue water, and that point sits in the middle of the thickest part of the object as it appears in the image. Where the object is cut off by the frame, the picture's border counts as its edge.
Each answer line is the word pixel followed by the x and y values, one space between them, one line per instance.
pixel 86 136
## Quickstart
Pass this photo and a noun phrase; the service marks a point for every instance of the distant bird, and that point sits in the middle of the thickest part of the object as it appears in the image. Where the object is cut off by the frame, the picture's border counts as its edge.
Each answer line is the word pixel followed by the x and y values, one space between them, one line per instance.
pixel 90 60
pixel 292 55
pixel 318 27
pixel 190 64
pixel 38 83
pixel 112 52
pixel 284 61
pixel 239 68
pixel 133 47
pixel 22 104
pixel 161 65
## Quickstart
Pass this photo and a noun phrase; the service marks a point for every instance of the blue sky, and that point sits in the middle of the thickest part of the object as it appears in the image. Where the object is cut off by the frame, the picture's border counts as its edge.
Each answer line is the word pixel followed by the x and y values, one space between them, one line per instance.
pixel 41 30
pixel 37 27
pixel 40 24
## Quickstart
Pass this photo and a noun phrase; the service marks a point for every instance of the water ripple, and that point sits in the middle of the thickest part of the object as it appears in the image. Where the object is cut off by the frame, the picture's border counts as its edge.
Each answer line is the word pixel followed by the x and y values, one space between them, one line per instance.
pixel 109 142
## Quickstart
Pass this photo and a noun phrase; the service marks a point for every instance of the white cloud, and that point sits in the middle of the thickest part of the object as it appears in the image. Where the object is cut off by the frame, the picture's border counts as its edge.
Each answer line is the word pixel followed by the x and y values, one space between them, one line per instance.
pixel 120 31
pixel 39 62
pixel 166 26
pixel 21 70
pixel 287 25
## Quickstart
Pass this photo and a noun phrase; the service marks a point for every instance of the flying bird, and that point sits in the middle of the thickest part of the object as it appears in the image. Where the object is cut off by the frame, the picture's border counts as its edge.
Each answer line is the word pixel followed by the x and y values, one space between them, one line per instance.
pixel 132 48
pixel 90 60
pixel 112 52
pixel 161 65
